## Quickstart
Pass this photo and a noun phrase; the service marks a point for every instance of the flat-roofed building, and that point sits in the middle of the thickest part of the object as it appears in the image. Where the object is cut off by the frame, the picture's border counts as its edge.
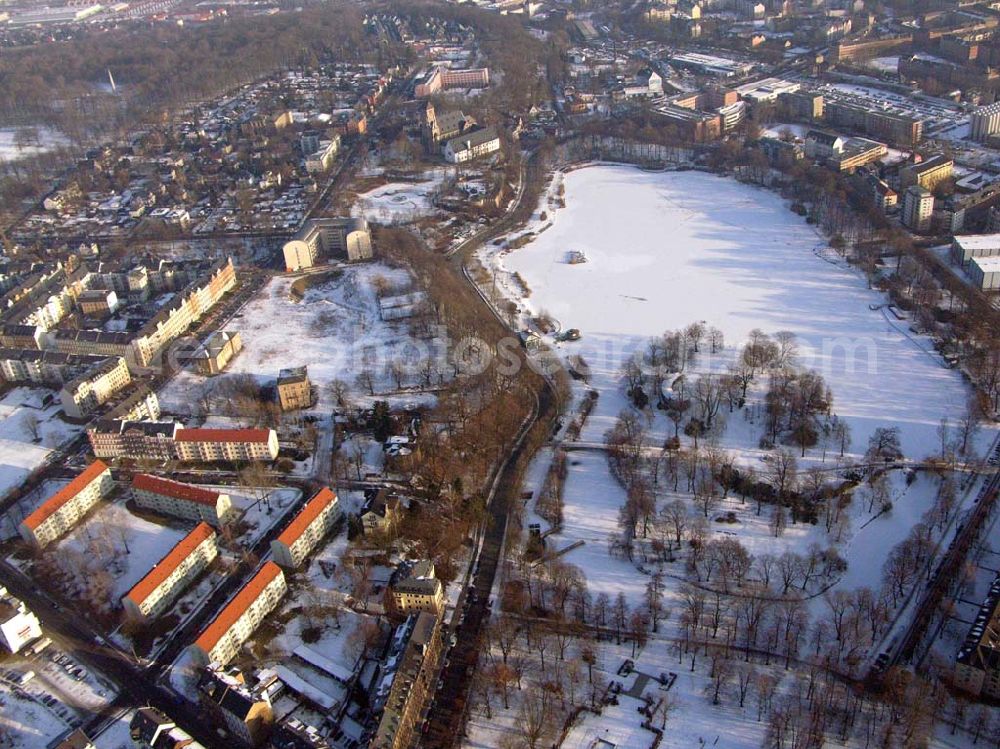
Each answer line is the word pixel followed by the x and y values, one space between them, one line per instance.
pixel 985 122
pixel 61 512
pixel 977 667
pixel 918 208
pixel 18 624
pixel 985 273
pixel 307 529
pixel 81 396
pixel 224 636
pixel 180 500
pixel 229 445
pixel 326 236
pixel 152 595
pixel 928 173
pixel 294 389
pixel 965 247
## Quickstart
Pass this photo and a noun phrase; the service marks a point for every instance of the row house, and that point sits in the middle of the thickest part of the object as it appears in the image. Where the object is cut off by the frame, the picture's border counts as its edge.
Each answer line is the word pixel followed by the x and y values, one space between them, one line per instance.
pixel 307 529
pixel 229 445
pixel 152 595
pixel 83 395
pixel 60 512
pixel 234 625
pixel 180 500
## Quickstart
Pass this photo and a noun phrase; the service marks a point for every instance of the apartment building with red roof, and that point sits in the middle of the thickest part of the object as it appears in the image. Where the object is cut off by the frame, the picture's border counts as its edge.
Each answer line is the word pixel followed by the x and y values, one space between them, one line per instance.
pixel 306 529
pixel 152 595
pixel 60 512
pixel 180 500
pixel 224 636
pixel 229 445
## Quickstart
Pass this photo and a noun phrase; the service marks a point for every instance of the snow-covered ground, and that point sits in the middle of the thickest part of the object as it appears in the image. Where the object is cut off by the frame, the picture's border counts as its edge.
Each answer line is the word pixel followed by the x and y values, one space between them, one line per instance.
pixel 668 249
pixel 883 64
pixel 335 330
pixel 398 202
pixel 34 141
pixel 21 414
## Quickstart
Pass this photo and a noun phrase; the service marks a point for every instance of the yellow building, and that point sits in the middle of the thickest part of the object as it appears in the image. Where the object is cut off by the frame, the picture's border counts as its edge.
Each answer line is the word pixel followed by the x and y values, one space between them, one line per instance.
pixel 294 389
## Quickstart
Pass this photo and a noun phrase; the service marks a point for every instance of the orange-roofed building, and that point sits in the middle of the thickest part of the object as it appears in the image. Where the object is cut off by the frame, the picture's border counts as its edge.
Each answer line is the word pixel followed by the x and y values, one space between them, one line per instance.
pixel 307 529
pixel 180 500
pixel 152 595
pixel 224 637
pixel 230 445
pixel 60 512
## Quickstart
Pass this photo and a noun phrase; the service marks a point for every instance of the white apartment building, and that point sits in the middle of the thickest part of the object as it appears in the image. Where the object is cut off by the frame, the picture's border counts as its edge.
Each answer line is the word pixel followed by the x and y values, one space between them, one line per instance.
pixel 230 445
pixel 95 387
pixel 327 236
pixel 307 529
pixel 152 595
pixel 223 638
pixel 471 145
pixel 18 624
pixel 60 512
pixel 985 122
pixel 180 500
pixel 918 208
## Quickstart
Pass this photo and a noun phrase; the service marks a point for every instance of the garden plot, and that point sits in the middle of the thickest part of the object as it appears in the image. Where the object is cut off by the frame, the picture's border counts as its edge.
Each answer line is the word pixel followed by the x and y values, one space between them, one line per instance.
pixel 29 431
pixel 335 330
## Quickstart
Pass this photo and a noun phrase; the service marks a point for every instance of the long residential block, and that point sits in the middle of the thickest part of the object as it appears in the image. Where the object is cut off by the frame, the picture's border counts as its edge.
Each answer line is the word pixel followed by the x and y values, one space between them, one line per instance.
pixel 180 500
pixel 152 595
pixel 307 529
pixel 223 638
pixel 213 445
pixel 60 512
pixel 83 395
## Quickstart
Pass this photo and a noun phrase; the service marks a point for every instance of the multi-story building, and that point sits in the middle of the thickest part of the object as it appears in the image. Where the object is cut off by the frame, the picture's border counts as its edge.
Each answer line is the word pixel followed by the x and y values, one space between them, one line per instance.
pixel 90 343
pixel 895 127
pixel 151 729
pixel 985 273
pixel 180 500
pixel 294 389
pixel 230 445
pixel 246 712
pixel 928 173
pixel 137 440
pixel 21 336
pixel 186 308
pixel 225 635
pixel 857 153
pixel 320 159
pixel 471 145
pixel 83 395
pixel 152 595
pixel 48 368
pixel 381 513
pixel 60 512
pixel 18 624
pixel 76 740
pixel 135 403
pixel 350 236
pixel 97 302
pixel 415 588
pixel 977 667
pixel 985 122
pixel 441 78
pixel 214 354
pixel 967 246
pixel 918 208
pixel 412 661
pixel 307 529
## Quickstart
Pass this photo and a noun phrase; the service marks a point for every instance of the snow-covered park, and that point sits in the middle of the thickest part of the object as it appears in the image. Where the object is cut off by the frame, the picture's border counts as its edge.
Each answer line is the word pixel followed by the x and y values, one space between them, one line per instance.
pixel 399 202
pixel 20 143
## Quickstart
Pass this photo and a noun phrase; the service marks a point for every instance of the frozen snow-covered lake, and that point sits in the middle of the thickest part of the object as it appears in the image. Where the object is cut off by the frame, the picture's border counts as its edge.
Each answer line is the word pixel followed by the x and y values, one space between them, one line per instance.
pixel 668 249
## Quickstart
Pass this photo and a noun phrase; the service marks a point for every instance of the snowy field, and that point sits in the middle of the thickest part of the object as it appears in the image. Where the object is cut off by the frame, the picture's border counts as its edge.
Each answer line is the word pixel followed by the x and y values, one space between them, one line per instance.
pixel 35 141
pixel 22 415
pixel 335 330
pixel 398 202
pixel 673 248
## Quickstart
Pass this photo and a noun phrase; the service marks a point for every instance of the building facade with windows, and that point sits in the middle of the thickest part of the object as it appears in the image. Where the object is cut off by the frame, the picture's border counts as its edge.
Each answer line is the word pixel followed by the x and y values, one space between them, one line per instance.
pixel 152 595
pixel 307 529
pixel 229 445
pixel 224 636
pixel 180 500
pixel 61 512
pixel 83 395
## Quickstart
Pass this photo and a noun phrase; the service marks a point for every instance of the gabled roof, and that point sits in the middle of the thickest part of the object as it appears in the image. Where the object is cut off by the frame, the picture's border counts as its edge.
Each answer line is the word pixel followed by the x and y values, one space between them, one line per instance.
pixel 64 495
pixel 320 501
pixel 249 593
pixel 161 571
pixel 222 435
pixel 175 489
